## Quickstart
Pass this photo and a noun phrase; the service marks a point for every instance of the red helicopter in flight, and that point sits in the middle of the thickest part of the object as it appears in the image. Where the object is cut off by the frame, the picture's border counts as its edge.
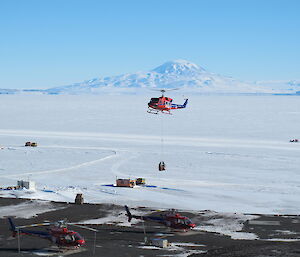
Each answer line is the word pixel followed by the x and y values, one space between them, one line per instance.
pixel 58 233
pixel 164 104
pixel 171 219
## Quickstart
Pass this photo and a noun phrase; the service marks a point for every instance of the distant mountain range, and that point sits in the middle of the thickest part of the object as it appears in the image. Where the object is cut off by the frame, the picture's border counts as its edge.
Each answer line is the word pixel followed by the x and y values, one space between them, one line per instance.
pixel 173 74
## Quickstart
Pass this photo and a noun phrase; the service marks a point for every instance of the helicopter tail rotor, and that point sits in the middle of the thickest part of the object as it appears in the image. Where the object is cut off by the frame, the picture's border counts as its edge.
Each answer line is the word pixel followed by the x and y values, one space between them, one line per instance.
pixel 185 103
pixel 128 213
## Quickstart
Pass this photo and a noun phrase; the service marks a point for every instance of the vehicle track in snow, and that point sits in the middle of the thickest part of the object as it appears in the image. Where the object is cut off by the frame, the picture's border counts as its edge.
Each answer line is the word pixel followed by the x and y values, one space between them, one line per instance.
pixel 77 166
pixel 125 157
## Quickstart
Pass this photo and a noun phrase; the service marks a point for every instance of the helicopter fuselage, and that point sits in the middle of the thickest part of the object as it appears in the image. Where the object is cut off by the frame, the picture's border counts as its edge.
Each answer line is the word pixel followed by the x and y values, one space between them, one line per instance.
pixel 164 104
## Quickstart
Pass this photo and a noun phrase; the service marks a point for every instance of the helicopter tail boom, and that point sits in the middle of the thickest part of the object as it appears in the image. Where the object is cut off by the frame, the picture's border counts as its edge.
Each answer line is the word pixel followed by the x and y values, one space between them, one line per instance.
pixel 128 213
pixel 180 106
pixel 12 225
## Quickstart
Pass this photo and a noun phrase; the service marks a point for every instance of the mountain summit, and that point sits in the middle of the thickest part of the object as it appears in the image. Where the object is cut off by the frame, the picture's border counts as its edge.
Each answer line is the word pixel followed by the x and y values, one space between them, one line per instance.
pixel 179 67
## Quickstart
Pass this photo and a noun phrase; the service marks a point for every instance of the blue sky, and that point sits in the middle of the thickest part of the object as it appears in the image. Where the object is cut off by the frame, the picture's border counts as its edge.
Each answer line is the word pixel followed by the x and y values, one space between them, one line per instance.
pixel 47 43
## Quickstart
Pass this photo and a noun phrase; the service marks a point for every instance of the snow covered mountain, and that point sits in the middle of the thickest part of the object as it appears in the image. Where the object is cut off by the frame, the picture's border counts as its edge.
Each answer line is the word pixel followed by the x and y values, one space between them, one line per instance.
pixel 173 74
pixel 182 74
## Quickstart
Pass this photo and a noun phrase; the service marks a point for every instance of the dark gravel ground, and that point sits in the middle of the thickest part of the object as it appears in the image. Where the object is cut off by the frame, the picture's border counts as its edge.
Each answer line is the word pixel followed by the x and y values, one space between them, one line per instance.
pixel 115 241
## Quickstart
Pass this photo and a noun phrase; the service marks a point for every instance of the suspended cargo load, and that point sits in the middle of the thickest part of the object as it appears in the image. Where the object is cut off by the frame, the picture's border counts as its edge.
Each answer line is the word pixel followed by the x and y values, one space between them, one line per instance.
pixel 161 166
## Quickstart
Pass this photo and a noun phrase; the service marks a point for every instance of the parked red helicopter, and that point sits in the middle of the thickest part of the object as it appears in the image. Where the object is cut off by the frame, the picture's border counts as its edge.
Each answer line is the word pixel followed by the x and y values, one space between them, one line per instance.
pixel 164 104
pixel 58 233
pixel 170 219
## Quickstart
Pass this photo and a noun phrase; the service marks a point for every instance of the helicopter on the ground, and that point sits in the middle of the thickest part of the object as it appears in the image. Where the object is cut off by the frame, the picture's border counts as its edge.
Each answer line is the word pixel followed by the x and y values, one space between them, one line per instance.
pixel 57 233
pixel 164 104
pixel 171 219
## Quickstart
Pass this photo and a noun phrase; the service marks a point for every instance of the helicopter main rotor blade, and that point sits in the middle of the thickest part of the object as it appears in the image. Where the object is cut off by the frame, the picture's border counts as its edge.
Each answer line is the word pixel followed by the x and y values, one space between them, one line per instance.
pixel 36 225
pixel 57 223
pixel 163 90
pixel 84 227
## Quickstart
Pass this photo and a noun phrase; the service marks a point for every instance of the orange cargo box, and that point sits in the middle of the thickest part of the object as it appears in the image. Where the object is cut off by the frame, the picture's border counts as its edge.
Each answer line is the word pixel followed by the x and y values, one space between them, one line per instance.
pixel 125 183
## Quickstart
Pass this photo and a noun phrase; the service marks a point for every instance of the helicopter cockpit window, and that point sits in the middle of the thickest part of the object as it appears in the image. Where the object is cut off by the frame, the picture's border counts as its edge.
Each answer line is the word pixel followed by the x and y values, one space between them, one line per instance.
pixel 154 100
pixel 78 237
pixel 188 221
pixel 180 221
pixel 69 238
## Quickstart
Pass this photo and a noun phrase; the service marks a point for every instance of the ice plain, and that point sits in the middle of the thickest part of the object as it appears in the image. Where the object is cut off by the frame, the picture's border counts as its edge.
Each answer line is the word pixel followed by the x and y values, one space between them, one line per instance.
pixel 223 153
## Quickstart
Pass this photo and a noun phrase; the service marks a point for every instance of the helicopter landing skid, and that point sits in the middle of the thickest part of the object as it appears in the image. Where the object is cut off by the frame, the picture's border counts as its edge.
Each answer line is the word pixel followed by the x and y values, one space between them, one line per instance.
pixel 153 111
pixel 166 112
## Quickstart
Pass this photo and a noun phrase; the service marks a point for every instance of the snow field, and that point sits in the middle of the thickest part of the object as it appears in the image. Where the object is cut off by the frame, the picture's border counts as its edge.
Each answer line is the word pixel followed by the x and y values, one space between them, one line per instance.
pixel 223 153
